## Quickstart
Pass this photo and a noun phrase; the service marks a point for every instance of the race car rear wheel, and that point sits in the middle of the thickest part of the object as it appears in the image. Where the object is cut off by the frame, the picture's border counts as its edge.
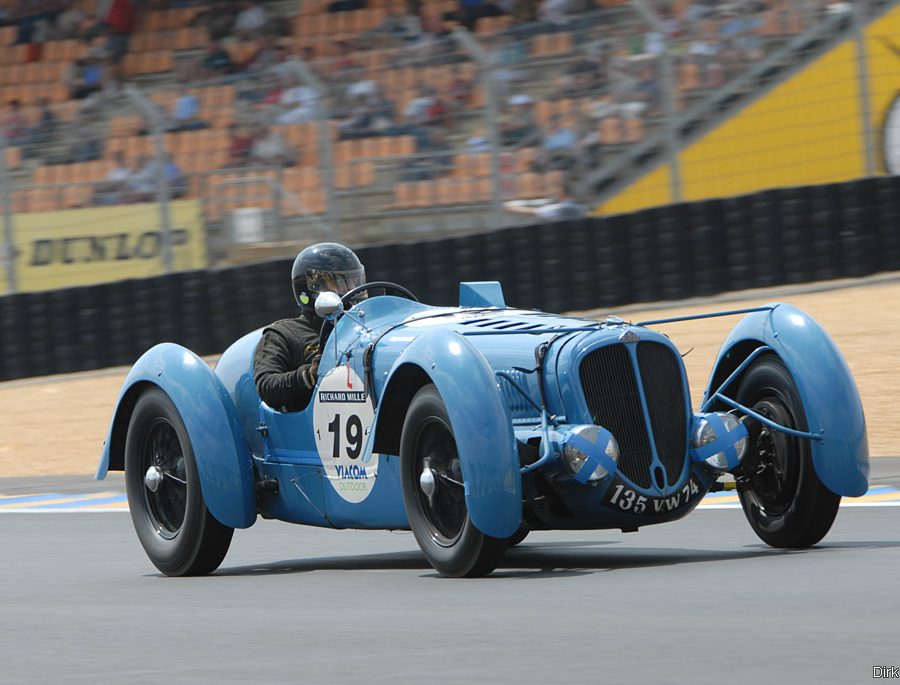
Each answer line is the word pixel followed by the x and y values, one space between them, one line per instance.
pixel 177 532
pixel 519 536
pixel 781 494
pixel 434 493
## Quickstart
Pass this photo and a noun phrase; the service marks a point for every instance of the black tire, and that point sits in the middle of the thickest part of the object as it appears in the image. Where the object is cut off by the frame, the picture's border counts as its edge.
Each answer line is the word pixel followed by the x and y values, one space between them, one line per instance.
pixel 441 524
pixel 175 528
pixel 519 536
pixel 784 500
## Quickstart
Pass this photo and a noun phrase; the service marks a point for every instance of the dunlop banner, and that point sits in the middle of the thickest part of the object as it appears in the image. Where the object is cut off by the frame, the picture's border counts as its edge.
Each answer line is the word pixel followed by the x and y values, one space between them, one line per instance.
pixel 87 246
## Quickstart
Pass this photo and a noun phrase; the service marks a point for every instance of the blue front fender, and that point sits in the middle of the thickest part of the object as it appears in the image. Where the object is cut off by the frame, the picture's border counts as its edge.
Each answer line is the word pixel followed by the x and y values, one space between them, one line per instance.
pixel 826 386
pixel 481 425
pixel 223 458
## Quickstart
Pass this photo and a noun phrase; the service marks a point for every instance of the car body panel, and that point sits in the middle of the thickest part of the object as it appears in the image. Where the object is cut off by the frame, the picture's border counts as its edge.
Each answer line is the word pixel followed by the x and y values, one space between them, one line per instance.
pixel 826 386
pixel 223 460
pixel 481 424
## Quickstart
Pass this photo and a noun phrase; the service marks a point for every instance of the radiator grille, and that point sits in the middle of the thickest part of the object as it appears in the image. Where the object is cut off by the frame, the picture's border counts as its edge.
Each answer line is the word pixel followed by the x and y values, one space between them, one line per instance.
pixel 610 389
pixel 660 371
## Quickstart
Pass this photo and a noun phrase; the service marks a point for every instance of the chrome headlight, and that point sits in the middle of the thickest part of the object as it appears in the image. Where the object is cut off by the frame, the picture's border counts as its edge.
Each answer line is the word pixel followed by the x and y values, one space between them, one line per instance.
pixel 720 440
pixel 590 453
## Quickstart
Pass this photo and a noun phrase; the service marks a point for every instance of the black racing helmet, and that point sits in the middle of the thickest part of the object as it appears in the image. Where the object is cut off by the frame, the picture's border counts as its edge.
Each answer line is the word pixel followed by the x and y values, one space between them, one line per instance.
pixel 325 267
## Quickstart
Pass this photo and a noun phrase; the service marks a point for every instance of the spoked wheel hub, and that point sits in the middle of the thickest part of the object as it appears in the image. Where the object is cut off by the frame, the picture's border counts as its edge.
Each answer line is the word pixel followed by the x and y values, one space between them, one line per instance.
pixel 783 499
pixel 771 473
pixel 165 484
pixel 441 490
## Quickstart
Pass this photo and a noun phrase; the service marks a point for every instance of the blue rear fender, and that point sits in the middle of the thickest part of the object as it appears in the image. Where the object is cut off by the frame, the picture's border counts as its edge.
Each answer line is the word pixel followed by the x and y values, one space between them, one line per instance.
pixel 220 450
pixel 826 386
pixel 479 417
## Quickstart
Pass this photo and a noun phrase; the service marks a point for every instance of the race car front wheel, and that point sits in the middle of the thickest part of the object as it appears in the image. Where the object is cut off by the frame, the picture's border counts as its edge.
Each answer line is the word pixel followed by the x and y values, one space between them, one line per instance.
pixel 434 493
pixel 781 494
pixel 176 530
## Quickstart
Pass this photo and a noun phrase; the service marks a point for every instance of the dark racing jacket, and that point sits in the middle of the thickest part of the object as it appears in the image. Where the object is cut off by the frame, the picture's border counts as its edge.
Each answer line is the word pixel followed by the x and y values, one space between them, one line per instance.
pixel 282 368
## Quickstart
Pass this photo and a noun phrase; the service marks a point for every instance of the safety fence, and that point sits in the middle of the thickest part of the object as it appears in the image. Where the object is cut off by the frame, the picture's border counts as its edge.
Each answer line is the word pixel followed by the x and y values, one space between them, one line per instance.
pixel 791 235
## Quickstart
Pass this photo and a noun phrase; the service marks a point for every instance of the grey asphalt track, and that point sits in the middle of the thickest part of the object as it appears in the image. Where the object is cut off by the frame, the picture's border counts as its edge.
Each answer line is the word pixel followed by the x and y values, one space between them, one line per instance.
pixel 699 601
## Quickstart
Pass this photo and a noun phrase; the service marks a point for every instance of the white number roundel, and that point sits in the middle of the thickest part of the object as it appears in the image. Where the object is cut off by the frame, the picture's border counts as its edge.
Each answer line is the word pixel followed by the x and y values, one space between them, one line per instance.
pixel 342 420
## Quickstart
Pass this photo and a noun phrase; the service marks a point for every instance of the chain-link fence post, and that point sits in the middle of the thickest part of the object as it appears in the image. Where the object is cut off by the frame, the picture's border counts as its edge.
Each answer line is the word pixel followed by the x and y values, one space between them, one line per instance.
pixel 326 150
pixel 156 123
pixel 486 70
pixel 9 248
pixel 669 95
pixel 862 76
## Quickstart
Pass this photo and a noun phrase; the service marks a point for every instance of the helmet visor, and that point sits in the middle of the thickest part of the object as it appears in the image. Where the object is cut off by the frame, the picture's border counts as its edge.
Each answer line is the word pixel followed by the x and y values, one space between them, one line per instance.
pixel 340 282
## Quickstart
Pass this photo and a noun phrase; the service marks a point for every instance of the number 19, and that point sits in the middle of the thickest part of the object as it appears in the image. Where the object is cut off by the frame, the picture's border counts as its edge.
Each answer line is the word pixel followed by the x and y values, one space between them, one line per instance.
pixel 354 436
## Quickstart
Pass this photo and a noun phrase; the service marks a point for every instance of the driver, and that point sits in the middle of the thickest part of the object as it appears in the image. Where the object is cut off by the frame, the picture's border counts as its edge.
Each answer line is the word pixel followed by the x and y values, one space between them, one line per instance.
pixel 286 362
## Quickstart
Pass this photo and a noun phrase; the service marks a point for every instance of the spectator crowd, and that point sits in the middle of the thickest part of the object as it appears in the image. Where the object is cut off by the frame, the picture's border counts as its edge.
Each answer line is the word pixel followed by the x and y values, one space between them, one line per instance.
pixel 595 84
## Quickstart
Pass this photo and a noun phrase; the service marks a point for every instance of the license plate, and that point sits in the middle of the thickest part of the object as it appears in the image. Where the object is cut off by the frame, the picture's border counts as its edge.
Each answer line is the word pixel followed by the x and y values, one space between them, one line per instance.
pixel 623 498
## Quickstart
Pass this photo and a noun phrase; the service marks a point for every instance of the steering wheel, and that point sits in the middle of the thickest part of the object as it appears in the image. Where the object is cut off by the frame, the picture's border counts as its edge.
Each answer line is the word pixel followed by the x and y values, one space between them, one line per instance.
pixel 386 286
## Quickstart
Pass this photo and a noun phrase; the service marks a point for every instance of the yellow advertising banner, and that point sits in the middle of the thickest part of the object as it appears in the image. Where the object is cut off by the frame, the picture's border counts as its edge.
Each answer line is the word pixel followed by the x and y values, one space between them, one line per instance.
pixel 807 130
pixel 87 246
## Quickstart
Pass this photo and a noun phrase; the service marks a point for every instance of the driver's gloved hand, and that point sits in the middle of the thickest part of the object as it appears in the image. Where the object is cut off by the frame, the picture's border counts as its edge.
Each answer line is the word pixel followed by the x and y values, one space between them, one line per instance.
pixel 309 372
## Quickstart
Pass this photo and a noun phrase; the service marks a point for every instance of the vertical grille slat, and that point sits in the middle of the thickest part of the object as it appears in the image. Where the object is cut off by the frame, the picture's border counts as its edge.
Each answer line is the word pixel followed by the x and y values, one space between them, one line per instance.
pixel 661 375
pixel 610 386
pixel 611 392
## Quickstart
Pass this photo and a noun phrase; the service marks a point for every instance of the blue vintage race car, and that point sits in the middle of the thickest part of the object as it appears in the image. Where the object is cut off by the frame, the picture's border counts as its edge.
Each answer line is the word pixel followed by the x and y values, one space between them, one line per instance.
pixel 472 425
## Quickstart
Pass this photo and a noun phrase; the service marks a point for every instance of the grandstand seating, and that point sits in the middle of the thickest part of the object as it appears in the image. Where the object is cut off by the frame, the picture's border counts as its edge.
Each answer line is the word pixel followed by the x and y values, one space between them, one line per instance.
pixel 165 41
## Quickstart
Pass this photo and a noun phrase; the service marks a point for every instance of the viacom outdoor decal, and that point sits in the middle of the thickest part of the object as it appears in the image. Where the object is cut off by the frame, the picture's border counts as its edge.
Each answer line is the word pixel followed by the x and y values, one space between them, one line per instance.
pixel 88 246
pixel 342 420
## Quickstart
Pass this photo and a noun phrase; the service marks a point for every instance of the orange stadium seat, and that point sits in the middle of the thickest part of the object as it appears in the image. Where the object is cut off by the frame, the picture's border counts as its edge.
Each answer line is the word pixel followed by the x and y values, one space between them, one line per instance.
pixel 66 110
pixel 342 151
pixel 218 140
pixel 222 117
pixel 165 100
pixel 124 126
pixel 446 192
pixel 689 77
pixel 313 201
pixel 552 44
pixel 190 38
pixel 8 35
pixel 484 190
pixel 153 21
pixel 113 145
pixel 529 185
pixel 634 130
pixel 403 194
pixel 160 62
pixel 490 25
pixel 19 202
pixel 611 131
pixel 194 188
pixel 343 176
pixel 43 199
pixel 40 175
pixel 554 183
pixel 370 147
pixel 77 196
pixel 13 157
pixel 144 42
pixel 241 52
pixel 524 159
